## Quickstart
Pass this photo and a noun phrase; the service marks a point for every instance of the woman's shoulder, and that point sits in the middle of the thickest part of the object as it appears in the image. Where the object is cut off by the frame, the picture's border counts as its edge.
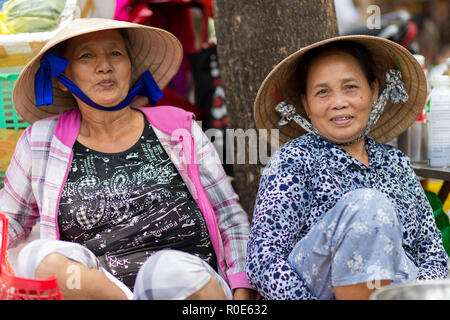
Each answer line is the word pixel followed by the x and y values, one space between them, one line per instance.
pixel 168 118
pixel 43 126
pixel 51 121
pixel 388 150
pixel 391 156
pixel 305 146
pixel 56 129
pixel 299 153
pixel 37 134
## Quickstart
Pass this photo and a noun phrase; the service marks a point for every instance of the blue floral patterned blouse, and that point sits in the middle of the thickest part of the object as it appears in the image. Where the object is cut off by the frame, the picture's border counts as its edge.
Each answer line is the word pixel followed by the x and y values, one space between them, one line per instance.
pixel 303 180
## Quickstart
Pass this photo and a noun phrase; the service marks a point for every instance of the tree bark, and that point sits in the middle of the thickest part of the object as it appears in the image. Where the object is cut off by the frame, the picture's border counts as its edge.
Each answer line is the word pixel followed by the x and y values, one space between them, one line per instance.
pixel 252 37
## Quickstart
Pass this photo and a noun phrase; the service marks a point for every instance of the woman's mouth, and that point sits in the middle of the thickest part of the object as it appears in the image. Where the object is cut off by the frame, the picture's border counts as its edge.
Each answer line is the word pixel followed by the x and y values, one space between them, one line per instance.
pixel 342 120
pixel 106 83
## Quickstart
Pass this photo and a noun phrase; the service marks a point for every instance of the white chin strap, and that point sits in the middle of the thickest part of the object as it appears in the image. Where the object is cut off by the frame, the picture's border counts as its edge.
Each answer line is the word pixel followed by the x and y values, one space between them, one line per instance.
pixel 393 90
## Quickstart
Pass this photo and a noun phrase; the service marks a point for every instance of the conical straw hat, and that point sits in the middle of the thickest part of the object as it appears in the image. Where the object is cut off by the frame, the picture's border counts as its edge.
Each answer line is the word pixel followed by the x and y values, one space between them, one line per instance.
pixel 150 48
pixel 395 118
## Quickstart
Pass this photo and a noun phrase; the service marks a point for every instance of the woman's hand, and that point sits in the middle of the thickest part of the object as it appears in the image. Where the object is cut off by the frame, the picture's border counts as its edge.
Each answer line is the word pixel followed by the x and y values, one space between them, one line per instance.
pixel 244 294
pixel 8 267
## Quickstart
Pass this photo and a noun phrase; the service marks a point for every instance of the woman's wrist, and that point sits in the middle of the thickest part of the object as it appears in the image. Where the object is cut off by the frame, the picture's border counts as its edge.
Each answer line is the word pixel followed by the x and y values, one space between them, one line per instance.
pixel 244 294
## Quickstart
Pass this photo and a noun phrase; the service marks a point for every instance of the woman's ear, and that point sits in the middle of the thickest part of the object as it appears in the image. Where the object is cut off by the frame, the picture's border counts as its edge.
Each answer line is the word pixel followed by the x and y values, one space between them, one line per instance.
pixel 305 104
pixel 61 86
pixel 375 88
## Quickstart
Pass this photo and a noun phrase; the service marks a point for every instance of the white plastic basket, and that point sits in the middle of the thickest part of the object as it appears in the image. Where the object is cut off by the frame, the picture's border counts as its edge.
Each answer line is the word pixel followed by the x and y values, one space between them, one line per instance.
pixel 17 49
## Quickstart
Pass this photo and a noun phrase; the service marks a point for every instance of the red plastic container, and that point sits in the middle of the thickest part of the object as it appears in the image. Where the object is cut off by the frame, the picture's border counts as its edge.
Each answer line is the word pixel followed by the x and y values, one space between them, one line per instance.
pixel 16 288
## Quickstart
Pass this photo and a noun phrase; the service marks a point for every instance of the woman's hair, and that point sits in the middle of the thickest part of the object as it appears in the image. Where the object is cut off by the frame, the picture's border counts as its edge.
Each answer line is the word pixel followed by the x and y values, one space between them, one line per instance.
pixel 356 50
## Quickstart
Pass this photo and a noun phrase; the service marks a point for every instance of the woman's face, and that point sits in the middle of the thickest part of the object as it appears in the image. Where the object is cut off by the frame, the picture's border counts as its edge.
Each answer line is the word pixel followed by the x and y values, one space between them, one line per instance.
pixel 338 96
pixel 100 66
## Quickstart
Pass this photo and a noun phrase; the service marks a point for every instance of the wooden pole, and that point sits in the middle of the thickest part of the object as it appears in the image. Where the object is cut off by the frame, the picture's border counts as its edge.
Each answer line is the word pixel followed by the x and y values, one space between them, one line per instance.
pixel 252 37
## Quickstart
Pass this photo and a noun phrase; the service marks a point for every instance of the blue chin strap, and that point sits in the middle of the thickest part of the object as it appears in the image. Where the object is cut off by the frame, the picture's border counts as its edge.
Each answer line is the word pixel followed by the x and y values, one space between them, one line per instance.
pixel 52 66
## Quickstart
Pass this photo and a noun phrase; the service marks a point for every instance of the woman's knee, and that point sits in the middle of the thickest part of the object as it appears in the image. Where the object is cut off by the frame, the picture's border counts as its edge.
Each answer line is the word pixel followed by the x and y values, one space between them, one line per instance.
pixel 367 196
pixel 169 275
pixel 51 265
pixel 54 252
pixel 30 257
pixel 41 259
pixel 369 205
pixel 210 291
pixel 173 263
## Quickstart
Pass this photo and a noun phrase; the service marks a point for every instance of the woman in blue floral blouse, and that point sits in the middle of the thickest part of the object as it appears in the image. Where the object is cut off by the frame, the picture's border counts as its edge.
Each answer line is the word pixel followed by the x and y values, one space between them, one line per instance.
pixel 339 213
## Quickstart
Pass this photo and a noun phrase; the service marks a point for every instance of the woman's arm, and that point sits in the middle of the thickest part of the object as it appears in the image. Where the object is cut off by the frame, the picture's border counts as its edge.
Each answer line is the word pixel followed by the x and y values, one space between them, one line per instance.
pixel 430 255
pixel 16 198
pixel 232 220
pixel 275 230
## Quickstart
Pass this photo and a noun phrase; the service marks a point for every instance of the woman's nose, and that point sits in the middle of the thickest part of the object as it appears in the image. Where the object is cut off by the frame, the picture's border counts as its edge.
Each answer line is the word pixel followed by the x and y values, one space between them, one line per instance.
pixel 340 101
pixel 103 64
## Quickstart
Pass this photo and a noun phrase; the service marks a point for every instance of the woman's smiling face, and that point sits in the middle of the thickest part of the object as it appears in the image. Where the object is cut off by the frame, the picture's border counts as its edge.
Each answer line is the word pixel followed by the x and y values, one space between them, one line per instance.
pixel 100 66
pixel 338 97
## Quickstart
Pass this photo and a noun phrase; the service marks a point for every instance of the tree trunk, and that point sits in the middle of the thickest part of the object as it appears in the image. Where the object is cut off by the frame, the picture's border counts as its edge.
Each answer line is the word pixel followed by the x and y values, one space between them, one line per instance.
pixel 252 37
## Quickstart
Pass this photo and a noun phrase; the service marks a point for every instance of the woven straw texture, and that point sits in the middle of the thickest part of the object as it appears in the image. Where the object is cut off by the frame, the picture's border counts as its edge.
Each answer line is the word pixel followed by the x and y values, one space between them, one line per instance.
pixel 150 48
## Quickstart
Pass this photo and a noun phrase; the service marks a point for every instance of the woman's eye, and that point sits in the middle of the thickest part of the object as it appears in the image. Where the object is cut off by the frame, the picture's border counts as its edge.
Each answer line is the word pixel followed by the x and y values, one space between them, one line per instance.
pixel 351 86
pixel 85 55
pixel 321 92
pixel 116 53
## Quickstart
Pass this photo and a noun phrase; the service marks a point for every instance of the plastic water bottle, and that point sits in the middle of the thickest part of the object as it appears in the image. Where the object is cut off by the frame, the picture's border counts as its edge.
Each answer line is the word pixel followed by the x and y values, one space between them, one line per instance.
pixel 447 61
pixel 438 122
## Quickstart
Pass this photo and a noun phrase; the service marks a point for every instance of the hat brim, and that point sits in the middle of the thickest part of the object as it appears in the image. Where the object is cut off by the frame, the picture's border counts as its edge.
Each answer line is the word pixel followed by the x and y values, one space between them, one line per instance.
pixel 150 48
pixel 281 84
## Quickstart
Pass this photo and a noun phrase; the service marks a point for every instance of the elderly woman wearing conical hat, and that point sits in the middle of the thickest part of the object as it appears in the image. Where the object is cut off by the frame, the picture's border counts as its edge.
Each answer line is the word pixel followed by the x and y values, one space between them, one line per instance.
pixel 338 213
pixel 128 198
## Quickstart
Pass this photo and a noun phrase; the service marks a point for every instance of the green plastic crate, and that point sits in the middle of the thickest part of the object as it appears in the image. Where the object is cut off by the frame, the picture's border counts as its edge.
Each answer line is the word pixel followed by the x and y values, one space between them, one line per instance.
pixel 9 119
pixel 2 177
pixel 441 219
